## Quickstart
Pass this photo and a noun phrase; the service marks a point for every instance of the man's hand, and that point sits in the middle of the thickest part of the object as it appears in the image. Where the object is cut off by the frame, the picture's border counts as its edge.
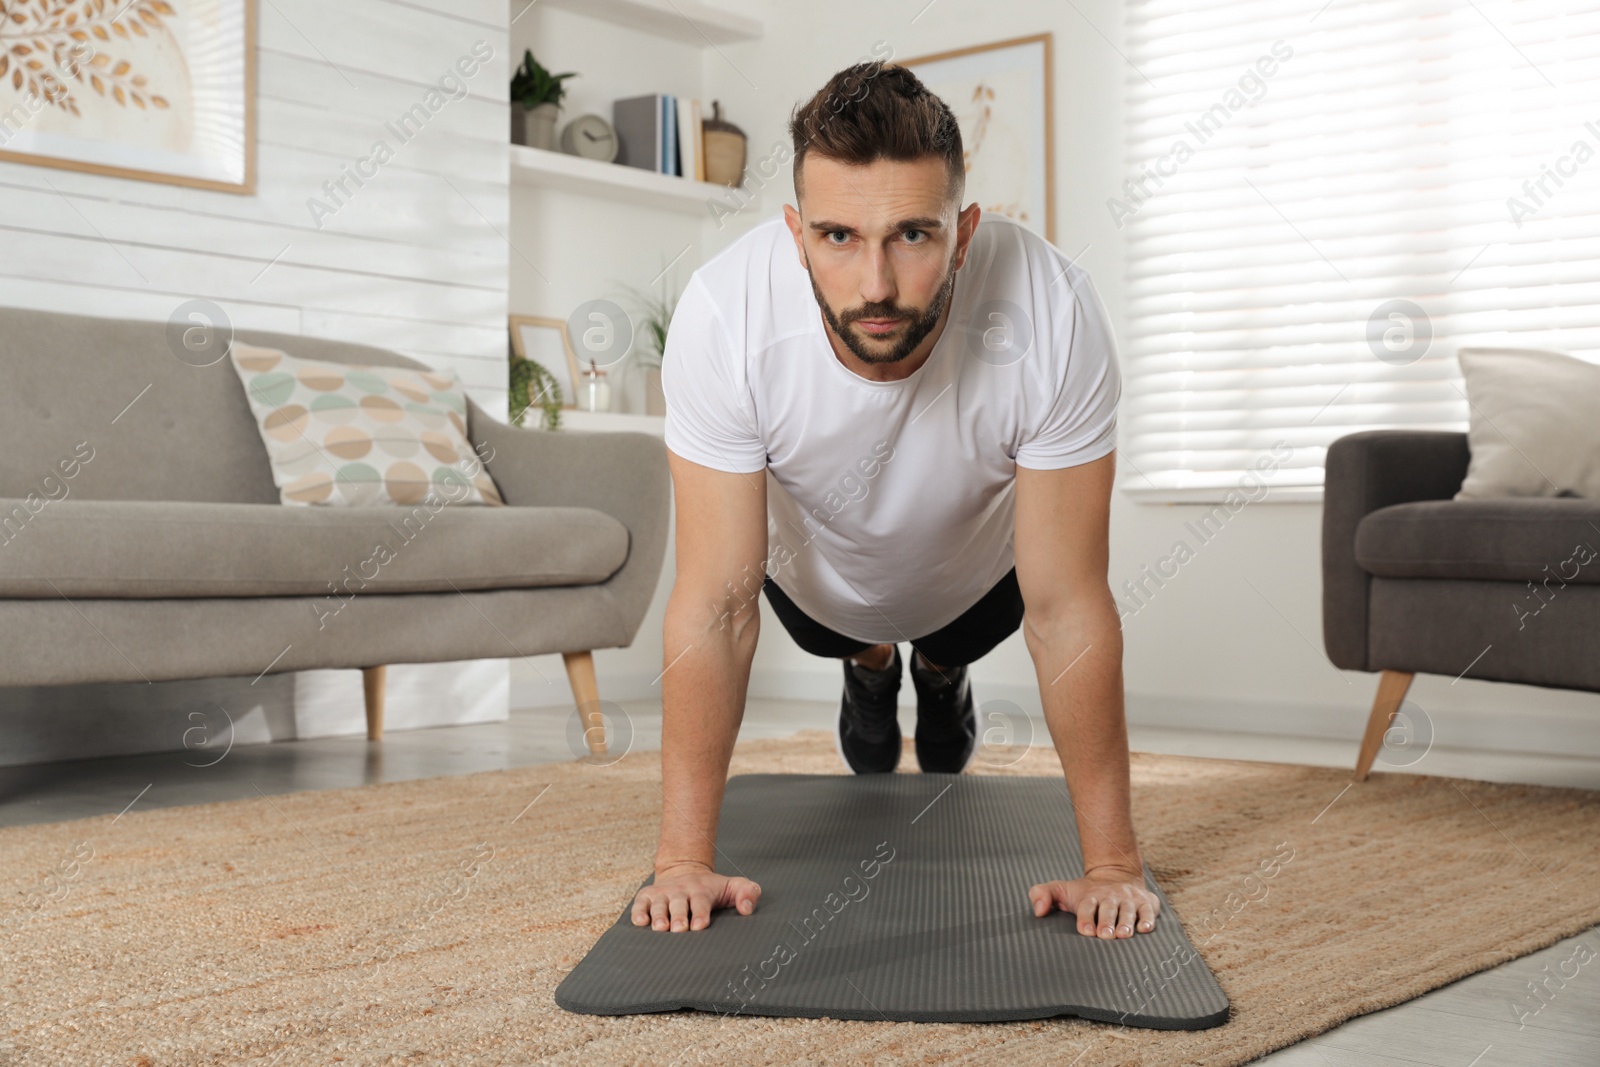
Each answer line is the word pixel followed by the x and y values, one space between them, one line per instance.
pixel 684 896
pixel 1115 897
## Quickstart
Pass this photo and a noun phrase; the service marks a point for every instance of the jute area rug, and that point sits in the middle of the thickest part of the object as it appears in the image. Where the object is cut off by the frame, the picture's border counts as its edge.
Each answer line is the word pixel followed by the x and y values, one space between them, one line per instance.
pixel 429 921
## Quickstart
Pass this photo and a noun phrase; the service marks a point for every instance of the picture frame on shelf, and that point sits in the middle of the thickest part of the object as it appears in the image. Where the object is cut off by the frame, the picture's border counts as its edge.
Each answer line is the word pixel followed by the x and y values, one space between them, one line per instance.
pixel 1002 97
pixel 544 340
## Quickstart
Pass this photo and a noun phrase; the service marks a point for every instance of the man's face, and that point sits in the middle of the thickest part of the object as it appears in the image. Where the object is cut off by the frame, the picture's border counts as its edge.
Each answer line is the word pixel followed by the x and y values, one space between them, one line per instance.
pixel 882 248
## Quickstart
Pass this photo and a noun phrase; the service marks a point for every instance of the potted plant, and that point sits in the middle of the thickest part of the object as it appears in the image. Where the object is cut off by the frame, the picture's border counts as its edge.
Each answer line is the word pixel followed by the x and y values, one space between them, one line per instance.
pixel 539 93
pixel 530 375
pixel 654 320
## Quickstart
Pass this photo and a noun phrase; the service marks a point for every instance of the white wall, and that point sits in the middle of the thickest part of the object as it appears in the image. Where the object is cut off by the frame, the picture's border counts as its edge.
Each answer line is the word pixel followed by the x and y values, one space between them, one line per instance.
pixel 1234 640
pixel 416 261
pixel 571 248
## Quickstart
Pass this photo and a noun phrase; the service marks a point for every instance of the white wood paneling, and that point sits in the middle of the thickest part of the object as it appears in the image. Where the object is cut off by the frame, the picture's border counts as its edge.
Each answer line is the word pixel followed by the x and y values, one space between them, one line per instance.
pixel 415 258
pixel 311 81
pixel 697 23
pixel 398 205
pixel 117 302
pixel 395 41
pixel 39 210
pixel 227 278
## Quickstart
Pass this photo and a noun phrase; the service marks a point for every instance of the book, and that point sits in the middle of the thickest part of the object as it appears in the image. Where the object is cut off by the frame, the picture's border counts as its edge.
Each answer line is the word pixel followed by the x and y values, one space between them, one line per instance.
pixel 641 140
pixel 690 145
pixel 661 132
pixel 669 126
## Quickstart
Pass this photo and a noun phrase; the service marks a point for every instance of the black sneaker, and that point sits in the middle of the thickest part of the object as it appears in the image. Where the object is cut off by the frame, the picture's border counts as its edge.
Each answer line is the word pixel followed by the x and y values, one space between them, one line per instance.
pixel 947 721
pixel 869 733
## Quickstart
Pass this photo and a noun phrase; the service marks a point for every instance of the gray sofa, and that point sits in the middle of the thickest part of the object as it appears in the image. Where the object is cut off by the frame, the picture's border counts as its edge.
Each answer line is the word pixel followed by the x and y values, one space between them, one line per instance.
pixel 141 537
pixel 1414 581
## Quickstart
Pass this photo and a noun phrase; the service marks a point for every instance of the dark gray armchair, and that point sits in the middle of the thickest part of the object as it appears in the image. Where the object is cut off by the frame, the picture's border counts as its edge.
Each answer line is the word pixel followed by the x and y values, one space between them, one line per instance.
pixel 1415 581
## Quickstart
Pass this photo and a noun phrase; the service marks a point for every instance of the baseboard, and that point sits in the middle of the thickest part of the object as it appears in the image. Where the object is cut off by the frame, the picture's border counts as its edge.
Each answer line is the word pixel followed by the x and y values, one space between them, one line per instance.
pixel 44 724
pixel 1531 730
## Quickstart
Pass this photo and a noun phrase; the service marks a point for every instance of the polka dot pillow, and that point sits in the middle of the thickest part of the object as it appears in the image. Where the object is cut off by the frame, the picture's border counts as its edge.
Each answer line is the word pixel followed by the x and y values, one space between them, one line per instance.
pixel 339 433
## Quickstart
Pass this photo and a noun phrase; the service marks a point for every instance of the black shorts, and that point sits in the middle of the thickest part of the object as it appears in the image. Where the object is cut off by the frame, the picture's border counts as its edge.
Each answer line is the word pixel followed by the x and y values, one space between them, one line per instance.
pixel 995 617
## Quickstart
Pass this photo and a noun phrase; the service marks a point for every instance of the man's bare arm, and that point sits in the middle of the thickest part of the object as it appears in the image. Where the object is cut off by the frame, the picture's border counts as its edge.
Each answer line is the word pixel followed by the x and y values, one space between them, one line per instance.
pixel 1072 630
pixel 712 623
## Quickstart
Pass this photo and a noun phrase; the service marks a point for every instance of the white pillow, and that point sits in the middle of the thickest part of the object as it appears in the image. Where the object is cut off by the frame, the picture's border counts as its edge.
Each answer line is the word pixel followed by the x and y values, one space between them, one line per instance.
pixel 345 434
pixel 1533 424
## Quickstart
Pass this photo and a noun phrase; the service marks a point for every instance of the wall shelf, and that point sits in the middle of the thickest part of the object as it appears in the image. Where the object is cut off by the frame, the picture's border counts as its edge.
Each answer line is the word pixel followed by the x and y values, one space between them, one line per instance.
pixel 558 170
pixel 686 20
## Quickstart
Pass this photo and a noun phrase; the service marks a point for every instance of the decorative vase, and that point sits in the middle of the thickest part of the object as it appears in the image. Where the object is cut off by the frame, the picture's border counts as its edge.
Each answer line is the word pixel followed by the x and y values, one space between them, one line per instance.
pixel 534 127
pixel 655 401
pixel 725 149
pixel 594 394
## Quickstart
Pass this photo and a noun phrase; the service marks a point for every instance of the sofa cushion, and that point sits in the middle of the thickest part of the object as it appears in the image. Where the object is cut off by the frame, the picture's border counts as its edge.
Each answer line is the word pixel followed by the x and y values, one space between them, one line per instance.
pixel 150 549
pixel 1528 539
pixel 352 434
pixel 160 409
pixel 1531 427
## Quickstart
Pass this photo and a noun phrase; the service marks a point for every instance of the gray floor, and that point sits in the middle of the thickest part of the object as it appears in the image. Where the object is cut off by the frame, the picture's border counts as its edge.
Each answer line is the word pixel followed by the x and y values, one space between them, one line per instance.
pixel 1470 1023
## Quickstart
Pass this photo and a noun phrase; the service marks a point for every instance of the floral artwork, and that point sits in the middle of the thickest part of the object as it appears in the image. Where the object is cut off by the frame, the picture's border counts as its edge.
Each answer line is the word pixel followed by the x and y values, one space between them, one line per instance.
pixel 1000 96
pixel 159 90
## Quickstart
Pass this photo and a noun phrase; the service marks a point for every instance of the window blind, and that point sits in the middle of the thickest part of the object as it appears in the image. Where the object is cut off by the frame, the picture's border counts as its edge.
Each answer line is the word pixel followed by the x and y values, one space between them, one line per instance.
pixel 1322 205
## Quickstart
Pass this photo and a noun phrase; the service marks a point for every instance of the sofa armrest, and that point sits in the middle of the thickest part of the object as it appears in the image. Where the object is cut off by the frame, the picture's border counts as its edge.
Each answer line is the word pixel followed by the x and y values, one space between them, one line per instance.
pixel 1363 472
pixel 623 474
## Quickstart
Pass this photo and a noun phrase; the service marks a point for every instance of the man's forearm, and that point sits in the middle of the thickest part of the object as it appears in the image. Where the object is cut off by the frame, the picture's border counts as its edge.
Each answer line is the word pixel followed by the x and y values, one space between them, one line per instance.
pixel 1077 653
pixel 707 674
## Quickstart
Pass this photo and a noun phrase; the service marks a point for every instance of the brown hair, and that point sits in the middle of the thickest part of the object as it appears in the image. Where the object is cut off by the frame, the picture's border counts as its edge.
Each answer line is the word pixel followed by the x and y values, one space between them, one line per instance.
pixel 874 111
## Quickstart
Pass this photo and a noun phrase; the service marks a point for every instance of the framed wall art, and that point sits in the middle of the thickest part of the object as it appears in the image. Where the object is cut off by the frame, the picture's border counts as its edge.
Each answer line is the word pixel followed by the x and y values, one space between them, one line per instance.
pixel 1001 95
pixel 545 341
pixel 143 89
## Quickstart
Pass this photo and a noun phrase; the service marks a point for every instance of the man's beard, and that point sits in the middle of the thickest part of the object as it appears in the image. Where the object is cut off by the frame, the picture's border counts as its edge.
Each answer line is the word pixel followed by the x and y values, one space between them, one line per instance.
pixel 919 326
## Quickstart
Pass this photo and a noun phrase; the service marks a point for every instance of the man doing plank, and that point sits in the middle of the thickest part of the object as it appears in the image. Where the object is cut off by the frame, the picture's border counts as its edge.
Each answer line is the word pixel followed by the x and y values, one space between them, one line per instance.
pixel 909 415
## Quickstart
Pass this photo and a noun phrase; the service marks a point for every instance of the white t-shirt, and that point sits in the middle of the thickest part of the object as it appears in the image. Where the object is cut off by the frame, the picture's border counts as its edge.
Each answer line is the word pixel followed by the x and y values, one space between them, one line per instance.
pixel 890 504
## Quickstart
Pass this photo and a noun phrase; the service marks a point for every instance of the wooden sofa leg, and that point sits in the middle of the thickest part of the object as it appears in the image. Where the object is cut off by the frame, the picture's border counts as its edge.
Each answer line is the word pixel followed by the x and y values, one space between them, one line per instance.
pixel 1392 686
pixel 580 674
pixel 372 685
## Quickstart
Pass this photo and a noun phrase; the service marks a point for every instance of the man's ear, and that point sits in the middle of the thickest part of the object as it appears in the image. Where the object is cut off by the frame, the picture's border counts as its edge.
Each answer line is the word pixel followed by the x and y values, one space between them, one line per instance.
pixel 796 230
pixel 966 229
pixel 791 216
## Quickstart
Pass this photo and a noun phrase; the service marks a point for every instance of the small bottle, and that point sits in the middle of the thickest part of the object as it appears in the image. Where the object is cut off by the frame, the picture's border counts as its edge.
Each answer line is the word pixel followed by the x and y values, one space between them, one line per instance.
pixel 595 393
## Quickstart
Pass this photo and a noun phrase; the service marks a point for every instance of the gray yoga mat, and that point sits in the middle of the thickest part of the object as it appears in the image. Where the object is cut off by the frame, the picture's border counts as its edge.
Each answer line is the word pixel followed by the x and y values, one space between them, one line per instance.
pixel 901 897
